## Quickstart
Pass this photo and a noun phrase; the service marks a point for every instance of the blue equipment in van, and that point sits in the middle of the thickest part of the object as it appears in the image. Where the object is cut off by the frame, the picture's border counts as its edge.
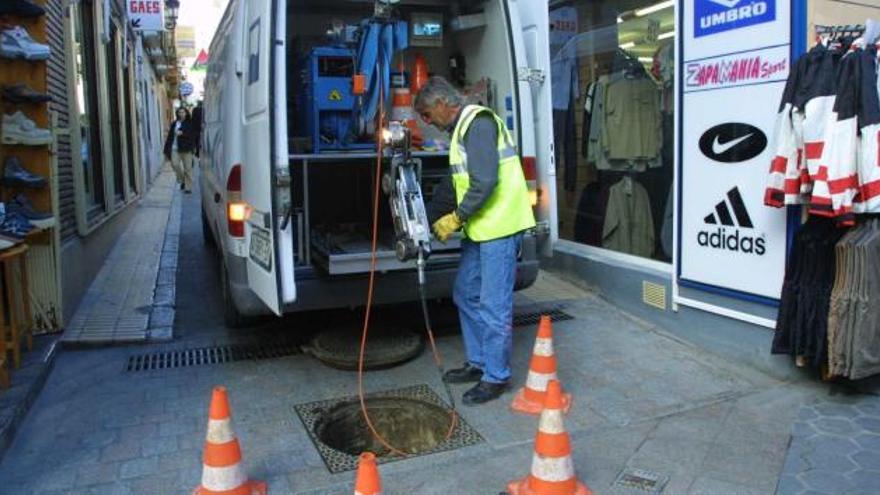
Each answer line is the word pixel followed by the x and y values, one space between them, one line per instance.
pixel 334 119
pixel 327 100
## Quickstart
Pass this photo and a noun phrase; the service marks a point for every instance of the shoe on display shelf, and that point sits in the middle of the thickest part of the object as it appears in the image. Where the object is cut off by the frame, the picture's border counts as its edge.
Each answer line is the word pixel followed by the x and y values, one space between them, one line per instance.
pixel 15 42
pixel 15 226
pixel 6 242
pixel 22 93
pixel 21 205
pixel 18 129
pixel 14 174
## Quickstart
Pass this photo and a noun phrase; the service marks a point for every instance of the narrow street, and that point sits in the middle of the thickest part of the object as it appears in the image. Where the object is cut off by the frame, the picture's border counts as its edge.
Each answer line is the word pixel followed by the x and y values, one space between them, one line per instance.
pixel 679 200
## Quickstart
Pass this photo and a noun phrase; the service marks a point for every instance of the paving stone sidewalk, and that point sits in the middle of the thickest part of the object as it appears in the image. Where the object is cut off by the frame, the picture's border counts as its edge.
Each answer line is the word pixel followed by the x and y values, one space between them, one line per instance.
pixel 835 448
pixel 132 298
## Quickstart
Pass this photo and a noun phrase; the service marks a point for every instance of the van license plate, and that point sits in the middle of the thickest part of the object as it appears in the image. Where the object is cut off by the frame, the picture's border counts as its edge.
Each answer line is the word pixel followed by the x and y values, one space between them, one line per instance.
pixel 261 248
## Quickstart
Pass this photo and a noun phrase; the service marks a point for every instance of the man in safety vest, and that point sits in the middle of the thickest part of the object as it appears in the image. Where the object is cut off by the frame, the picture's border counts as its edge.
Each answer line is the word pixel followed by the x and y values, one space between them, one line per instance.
pixel 487 198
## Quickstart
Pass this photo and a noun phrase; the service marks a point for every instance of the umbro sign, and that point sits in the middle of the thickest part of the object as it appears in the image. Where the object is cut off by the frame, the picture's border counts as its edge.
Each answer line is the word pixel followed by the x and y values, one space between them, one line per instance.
pixel 733 142
pixel 716 16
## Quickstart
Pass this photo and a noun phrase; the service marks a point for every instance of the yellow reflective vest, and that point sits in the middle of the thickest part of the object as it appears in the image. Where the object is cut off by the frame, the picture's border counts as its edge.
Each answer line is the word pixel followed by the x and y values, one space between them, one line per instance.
pixel 508 209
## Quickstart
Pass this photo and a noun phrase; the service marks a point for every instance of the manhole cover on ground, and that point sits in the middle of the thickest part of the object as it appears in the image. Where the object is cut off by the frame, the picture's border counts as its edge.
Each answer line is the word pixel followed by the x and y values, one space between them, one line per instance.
pixel 415 416
pixel 340 348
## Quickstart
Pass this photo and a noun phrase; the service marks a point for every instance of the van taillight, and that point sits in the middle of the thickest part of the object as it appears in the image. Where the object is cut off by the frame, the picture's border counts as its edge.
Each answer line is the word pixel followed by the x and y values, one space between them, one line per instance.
pixel 530 168
pixel 236 209
pixel 530 171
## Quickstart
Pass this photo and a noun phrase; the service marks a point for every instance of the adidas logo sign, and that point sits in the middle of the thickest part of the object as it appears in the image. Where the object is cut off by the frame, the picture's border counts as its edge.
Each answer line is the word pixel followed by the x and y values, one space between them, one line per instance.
pixel 731 213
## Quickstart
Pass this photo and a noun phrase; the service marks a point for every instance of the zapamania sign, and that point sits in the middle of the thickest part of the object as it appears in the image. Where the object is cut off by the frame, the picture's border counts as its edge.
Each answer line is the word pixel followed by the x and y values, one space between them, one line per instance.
pixel 716 16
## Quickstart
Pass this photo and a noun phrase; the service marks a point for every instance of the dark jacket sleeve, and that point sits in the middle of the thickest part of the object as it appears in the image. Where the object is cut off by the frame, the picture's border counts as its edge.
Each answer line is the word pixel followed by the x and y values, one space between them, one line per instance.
pixel 481 146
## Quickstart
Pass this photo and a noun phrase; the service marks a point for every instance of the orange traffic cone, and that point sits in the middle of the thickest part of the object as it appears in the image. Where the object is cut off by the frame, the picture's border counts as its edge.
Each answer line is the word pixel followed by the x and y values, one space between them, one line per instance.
pixel 542 369
pixel 222 473
pixel 368 482
pixel 552 468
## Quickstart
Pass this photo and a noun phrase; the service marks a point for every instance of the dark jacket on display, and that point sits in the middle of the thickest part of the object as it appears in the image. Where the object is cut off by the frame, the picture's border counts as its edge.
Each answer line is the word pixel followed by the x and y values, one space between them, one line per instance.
pixel 186 141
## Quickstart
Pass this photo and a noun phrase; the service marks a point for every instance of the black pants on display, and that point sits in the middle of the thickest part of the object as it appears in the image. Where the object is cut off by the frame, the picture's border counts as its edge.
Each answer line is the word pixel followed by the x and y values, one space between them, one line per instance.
pixel 565 146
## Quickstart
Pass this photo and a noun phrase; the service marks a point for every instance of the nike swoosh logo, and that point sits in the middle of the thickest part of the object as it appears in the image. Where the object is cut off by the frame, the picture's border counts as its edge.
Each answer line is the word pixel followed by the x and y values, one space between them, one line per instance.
pixel 726 3
pixel 720 148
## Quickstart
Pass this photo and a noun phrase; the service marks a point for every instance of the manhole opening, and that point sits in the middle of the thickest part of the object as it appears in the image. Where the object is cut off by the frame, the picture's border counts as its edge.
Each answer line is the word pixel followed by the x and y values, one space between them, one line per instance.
pixel 387 347
pixel 408 425
pixel 203 356
pixel 412 419
pixel 533 317
pixel 642 480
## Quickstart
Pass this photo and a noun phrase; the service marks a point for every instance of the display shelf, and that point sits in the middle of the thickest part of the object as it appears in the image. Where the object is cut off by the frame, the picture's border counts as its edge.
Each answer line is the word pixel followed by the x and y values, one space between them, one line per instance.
pixel 36 159
pixel 43 256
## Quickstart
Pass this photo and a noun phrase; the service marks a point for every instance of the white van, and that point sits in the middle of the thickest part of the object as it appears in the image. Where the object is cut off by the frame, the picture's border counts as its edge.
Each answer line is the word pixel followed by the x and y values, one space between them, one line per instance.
pixel 293 223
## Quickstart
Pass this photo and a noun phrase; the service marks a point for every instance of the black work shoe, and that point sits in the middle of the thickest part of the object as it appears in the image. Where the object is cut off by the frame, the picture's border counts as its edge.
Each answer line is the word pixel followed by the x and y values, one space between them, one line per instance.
pixel 22 93
pixel 466 374
pixel 483 392
pixel 14 174
pixel 22 8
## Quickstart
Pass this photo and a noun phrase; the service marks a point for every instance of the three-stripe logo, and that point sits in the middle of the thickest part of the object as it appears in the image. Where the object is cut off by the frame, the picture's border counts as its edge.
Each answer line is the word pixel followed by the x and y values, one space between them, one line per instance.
pixel 722 213
pixel 731 218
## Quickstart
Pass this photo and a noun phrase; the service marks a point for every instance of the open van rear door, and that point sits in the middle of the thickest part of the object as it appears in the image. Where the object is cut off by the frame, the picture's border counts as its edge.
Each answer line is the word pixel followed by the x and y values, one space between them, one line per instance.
pixel 529 22
pixel 265 161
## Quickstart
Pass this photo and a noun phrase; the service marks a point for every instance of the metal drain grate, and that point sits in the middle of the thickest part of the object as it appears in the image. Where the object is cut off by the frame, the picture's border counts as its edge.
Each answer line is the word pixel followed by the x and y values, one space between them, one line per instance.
pixel 642 479
pixel 202 356
pixel 337 462
pixel 532 318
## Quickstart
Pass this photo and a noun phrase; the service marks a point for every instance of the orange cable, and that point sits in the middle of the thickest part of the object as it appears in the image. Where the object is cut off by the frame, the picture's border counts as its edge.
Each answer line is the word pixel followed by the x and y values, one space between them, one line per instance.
pixel 371 285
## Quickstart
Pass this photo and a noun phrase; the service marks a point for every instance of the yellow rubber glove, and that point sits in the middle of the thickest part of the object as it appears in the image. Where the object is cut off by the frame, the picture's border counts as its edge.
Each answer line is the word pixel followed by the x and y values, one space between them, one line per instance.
pixel 446 225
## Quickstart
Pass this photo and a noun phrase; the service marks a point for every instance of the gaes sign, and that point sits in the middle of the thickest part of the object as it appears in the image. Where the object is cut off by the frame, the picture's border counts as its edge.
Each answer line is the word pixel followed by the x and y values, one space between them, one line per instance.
pixel 146 15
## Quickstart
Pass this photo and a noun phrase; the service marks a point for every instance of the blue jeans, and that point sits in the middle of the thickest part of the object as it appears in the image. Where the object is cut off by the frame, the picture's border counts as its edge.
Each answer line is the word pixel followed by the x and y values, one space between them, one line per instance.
pixel 484 296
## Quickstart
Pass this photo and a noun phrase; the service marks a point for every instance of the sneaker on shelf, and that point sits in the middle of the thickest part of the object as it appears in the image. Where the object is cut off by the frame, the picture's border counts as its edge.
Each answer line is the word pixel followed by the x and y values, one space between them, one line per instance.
pixel 22 93
pixel 16 42
pixel 21 204
pixel 21 8
pixel 7 242
pixel 15 226
pixel 18 129
pixel 14 174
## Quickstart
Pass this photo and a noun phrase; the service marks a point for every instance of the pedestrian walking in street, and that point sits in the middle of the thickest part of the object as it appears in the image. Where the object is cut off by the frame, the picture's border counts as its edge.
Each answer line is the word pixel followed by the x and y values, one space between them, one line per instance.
pixel 179 146
pixel 197 121
pixel 485 196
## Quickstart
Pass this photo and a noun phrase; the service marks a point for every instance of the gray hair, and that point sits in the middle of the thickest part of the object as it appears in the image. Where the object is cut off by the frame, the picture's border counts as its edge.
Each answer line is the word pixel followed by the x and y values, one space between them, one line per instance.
pixel 438 88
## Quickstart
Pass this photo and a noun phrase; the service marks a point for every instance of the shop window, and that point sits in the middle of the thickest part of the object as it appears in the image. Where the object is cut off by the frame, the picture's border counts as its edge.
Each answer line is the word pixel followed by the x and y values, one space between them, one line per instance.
pixel 613 102
pixel 83 20
pixel 111 51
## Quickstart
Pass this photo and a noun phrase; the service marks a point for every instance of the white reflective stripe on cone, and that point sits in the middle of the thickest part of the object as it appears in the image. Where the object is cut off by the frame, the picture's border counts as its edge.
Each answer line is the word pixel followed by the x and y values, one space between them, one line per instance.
pixel 551 422
pixel 543 347
pixel 553 469
pixel 539 381
pixel 220 431
pixel 218 479
pixel 374 493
